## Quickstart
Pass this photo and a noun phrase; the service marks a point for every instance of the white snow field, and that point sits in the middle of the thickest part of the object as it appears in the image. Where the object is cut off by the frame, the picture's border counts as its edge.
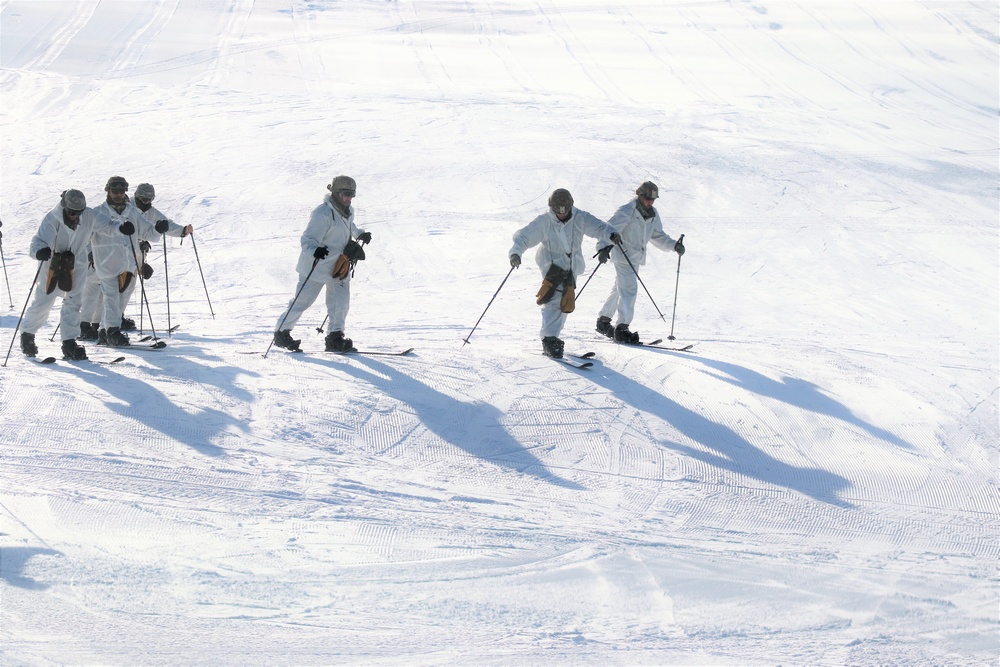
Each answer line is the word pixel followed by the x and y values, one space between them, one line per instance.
pixel 816 484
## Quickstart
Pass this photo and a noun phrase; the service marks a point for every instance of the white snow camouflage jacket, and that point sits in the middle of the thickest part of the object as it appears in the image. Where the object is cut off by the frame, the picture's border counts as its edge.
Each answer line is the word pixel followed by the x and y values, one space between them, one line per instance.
pixel 560 243
pixel 327 227
pixel 56 236
pixel 112 250
pixel 637 232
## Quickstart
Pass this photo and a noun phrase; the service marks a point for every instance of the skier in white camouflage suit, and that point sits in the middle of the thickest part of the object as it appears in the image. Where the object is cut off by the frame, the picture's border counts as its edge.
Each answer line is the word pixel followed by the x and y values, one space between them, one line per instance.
pixel 115 254
pixel 61 244
pixel 639 224
pixel 558 233
pixel 331 245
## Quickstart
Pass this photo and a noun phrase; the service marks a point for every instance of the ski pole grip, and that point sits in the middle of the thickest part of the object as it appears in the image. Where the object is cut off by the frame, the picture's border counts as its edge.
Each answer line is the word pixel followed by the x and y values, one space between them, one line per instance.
pixel 681 239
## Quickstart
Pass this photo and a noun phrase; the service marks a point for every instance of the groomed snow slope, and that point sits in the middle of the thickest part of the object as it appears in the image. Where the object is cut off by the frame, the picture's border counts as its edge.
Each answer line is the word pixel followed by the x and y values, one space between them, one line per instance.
pixel 816 485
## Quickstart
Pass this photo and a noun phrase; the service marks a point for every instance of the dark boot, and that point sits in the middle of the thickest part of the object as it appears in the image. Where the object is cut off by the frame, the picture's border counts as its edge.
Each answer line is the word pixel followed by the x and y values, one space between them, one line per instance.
pixel 284 339
pixel 552 347
pixel 28 344
pixel 127 324
pixel 604 326
pixel 88 331
pixel 73 351
pixel 335 342
pixel 623 335
pixel 116 338
pixel 102 336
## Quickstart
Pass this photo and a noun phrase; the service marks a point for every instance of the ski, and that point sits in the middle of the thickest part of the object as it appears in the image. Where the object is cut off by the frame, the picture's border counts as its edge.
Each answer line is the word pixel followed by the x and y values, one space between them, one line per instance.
pixel 377 352
pixel 570 362
pixel 655 345
pixel 45 361
pixel 155 347
pixel 686 348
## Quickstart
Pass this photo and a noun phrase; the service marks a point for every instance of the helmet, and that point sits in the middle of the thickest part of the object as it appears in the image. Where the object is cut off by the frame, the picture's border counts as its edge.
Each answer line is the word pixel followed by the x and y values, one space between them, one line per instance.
pixel 74 200
pixel 145 191
pixel 116 181
pixel 648 189
pixel 560 199
pixel 343 185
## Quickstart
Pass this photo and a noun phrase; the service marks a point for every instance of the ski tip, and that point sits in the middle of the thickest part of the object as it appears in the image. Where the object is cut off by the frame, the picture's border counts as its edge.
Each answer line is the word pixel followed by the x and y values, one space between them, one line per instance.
pixel 47 360
pixel 408 351
pixel 116 360
pixel 158 345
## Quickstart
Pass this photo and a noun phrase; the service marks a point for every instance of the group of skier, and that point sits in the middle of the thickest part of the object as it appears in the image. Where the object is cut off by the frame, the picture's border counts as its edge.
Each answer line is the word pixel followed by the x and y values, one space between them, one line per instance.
pixel 89 257
pixel 332 243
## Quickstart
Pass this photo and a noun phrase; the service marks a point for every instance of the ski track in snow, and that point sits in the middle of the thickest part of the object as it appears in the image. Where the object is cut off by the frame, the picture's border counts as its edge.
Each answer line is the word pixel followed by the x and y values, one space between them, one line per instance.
pixel 815 484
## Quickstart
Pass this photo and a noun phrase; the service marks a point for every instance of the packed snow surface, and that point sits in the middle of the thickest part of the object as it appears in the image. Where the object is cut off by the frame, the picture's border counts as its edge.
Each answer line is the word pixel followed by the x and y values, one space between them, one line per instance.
pixel 815 483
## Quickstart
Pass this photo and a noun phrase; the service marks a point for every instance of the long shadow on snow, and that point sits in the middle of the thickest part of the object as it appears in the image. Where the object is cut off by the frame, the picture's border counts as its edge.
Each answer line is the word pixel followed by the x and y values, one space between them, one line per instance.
pixel 475 428
pixel 148 405
pixel 800 393
pixel 732 452
pixel 12 563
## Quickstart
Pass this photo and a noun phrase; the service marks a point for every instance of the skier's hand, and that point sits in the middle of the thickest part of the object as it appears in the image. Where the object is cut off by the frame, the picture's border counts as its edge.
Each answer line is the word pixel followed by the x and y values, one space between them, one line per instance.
pixel 144 246
pixel 679 247
pixel 44 255
pixel 127 228
pixel 365 238
pixel 604 254
pixel 321 252
pixel 162 226
pixel 515 261
pixel 187 230
pixel 147 271
pixel 616 238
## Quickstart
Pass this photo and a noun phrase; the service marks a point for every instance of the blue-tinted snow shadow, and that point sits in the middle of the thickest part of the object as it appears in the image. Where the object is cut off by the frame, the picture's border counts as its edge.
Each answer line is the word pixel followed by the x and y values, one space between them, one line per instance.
pixel 144 403
pixel 473 427
pixel 794 391
pixel 729 451
pixel 12 564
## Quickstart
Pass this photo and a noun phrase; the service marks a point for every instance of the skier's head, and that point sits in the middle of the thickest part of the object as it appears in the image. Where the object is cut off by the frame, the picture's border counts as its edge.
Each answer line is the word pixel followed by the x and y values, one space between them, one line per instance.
pixel 648 192
pixel 646 195
pixel 73 204
pixel 145 192
pixel 74 201
pixel 116 189
pixel 343 189
pixel 561 203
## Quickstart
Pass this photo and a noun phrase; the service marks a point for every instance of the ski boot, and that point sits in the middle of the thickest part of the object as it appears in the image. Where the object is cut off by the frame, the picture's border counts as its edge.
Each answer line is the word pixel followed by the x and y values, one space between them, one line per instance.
pixel 284 339
pixel 335 342
pixel 552 347
pixel 73 351
pixel 604 326
pixel 623 335
pixel 28 344
pixel 127 324
pixel 116 338
pixel 102 336
pixel 88 331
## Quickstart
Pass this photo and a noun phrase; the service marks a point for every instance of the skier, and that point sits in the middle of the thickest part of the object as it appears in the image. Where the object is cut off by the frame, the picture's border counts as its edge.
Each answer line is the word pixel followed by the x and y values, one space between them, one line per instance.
pixel 558 233
pixel 61 243
pixel 330 249
pixel 638 222
pixel 115 259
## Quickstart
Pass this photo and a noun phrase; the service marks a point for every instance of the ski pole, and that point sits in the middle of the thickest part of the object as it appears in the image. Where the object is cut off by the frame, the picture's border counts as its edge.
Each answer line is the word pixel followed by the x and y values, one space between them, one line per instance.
pixel 166 279
pixel 294 299
pixel 203 284
pixel 54 331
pixel 32 289
pixel 625 255
pixel 319 329
pixel 488 306
pixel 4 260
pixel 142 294
pixel 589 277
pixel 676 285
